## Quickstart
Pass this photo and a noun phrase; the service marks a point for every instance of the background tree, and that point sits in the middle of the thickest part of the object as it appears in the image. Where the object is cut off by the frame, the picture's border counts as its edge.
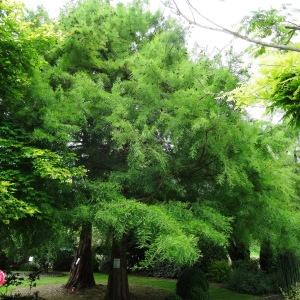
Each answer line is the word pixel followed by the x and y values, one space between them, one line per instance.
pixel 276 85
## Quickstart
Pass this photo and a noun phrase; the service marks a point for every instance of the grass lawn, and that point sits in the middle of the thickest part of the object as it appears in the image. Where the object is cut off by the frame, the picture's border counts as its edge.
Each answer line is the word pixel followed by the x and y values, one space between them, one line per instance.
pixel 217 293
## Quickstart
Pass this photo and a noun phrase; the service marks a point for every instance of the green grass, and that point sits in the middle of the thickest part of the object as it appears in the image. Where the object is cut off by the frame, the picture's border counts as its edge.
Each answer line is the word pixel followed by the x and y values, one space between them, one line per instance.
pixel 217 293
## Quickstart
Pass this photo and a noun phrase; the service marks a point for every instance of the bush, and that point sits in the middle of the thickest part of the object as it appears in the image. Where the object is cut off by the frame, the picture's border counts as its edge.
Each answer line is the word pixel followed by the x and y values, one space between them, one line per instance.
pixel 192 284
pixel 63 260
pixel 247 265
pixel 288 267
pixel 293 293
pixel 16 279
pixel 210 253
pixel 246 278
pixel 30 266
pixel 219 271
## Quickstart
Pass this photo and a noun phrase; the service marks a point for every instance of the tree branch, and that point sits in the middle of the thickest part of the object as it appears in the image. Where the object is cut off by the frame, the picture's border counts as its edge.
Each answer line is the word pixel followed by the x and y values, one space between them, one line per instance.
pixel 292 27
pixel 220 28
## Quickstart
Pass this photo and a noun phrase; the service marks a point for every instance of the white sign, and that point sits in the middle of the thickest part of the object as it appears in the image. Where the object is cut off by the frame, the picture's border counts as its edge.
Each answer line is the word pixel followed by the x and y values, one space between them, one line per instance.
pixel 30 259
pixel 117 263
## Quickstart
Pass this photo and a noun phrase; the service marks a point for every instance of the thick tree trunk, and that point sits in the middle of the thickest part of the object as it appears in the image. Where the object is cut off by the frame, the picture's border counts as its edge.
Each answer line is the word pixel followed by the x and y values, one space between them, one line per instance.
pixel 81 275
pixel 238 251
pixel 118 288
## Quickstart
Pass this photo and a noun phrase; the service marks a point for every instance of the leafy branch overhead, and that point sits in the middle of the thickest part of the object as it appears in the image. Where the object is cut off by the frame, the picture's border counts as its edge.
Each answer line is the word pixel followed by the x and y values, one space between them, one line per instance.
pixel 277 85
pixel 24 173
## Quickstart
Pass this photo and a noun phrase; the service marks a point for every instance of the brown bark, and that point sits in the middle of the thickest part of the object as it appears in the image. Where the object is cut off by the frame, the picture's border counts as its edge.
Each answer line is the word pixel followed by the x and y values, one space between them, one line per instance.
pixel 118 288
pixel 81 274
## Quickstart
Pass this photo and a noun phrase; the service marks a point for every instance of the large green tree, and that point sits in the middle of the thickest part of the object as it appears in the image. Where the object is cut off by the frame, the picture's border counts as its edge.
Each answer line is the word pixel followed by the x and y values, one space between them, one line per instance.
pixel 29 172
pixel 170 163
pixel 107 99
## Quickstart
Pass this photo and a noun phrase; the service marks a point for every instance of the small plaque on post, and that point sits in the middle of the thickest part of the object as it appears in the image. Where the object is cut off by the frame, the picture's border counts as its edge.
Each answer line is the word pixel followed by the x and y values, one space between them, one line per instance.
pixel 116 263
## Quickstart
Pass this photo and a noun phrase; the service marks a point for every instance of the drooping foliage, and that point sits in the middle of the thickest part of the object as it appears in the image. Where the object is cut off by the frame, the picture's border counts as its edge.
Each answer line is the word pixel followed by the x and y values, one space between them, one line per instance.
pixel 113 105
pixel 139 113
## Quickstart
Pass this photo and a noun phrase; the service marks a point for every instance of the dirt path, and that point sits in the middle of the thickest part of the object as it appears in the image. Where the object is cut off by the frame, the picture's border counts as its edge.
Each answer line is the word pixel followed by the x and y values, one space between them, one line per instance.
pixel 57 292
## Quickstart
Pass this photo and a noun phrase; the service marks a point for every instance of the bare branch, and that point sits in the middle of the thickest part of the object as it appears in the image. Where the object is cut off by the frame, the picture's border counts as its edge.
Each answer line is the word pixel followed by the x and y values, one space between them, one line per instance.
pixel 193 22
pixel 220 28
pixel 292 27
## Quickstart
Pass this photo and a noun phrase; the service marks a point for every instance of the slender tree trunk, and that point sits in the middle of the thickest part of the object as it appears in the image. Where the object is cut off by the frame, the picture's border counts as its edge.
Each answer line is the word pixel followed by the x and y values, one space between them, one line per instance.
pixel 118 288
pixel 238 251
pixel 266 257
pixel 81 275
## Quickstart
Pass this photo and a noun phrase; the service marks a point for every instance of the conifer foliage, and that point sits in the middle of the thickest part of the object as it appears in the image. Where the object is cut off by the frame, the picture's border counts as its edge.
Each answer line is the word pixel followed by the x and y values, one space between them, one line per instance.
pixel 114 127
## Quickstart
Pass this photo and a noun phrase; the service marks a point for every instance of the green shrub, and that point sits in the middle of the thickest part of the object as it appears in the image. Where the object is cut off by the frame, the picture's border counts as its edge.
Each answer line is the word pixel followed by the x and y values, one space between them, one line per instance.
pixel 63 260
pixel 219 271
pixel 246 278
pixel 246 265
pixel 30 266
pixel 192 284
pixel 293 293
pixel 4 263
pixel 197 293
pixel 210 252
pixel 288 267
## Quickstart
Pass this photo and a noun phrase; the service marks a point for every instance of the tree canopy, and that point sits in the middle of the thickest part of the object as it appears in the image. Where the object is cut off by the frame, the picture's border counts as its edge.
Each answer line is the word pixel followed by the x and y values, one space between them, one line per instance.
pixel 106 122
